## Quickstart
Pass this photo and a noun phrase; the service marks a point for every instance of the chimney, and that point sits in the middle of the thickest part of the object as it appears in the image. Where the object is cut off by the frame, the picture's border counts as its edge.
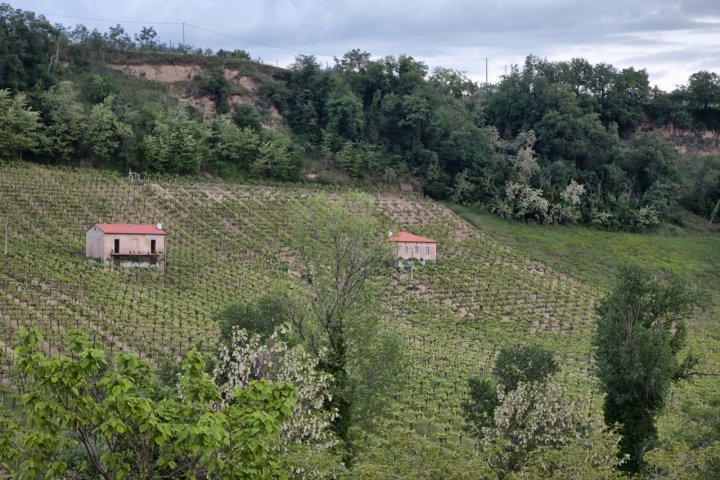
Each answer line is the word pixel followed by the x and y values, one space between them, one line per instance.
pixel 159 226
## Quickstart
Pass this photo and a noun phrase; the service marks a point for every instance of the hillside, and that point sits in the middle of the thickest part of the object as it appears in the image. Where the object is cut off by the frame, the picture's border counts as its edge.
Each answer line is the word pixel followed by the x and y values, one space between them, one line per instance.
pixel 243 79
pixel 560 142
pixel 229 242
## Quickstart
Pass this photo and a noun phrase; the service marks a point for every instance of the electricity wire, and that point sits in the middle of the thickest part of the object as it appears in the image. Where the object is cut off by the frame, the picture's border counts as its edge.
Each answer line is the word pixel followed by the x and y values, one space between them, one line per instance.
pixel 110 21
pixel 188 25
pixel 243 39
pixel 258 43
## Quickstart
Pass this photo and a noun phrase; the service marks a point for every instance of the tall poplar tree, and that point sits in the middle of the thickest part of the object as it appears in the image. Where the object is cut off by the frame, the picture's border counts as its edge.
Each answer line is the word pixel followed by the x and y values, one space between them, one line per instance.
pixel 640 332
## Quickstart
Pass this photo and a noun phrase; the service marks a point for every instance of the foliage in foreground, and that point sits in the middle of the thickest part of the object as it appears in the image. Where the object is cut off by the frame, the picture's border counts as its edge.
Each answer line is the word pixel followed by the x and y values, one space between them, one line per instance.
pixel 540 428
pixel 540 432
pixel 531 363
pixel 129 427
pixel 307 432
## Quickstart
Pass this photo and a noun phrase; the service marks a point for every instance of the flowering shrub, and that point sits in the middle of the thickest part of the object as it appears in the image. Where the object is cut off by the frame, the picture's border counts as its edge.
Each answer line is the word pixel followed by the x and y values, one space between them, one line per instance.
pixel 247 360
pixel 537 417
pixel 529 202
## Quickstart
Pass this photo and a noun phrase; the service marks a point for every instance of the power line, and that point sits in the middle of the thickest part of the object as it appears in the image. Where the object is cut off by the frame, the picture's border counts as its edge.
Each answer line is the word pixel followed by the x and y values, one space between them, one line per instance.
pixel 258 43
pixel 243 39
pixel 110 21
pixel 495 64
pixel 189 25
pixel 465 60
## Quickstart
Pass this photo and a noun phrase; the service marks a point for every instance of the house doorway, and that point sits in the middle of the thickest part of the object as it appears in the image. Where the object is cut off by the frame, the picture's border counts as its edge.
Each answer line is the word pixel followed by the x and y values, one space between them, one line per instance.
pixel 117 245
pixel 152 246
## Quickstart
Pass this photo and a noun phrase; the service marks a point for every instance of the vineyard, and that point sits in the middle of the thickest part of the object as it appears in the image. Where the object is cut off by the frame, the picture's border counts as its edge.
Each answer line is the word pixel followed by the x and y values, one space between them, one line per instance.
pixel 228 242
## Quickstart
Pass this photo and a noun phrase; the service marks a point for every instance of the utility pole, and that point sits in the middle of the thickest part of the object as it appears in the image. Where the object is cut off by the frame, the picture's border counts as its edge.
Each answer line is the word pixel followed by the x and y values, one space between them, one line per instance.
pixel 7 222
pixel 486 72
pixel 183 37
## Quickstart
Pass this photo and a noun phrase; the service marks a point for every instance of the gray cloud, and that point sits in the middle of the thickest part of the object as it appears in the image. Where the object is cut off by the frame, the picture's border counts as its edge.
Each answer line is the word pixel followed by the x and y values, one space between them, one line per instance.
pixel 671 39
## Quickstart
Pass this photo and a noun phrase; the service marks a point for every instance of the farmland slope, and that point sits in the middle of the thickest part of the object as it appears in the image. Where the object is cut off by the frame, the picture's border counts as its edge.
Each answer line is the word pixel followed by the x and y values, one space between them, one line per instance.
pixel 229 242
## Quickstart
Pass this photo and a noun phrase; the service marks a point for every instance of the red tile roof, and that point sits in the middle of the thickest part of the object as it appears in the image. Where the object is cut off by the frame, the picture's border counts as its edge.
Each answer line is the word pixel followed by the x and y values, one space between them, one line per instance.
pixel 123 228
pixel 409 237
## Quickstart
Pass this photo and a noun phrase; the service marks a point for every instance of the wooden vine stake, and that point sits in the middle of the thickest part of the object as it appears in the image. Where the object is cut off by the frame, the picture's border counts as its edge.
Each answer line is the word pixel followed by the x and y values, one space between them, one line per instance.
pixel 7 222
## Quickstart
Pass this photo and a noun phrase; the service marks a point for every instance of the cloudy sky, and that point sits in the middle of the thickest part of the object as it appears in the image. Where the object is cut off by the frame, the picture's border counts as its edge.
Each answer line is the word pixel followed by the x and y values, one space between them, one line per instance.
pixel 670 39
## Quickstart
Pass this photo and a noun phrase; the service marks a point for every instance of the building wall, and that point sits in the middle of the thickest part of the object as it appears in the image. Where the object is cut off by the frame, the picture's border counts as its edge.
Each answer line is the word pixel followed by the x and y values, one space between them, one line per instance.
pixel 94 243
pixel 101 245
pixel 420 254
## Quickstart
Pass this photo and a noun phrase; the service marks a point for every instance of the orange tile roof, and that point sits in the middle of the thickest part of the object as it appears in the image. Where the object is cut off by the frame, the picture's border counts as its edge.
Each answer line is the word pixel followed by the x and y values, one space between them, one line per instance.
pixel 123 228
pixel 409 237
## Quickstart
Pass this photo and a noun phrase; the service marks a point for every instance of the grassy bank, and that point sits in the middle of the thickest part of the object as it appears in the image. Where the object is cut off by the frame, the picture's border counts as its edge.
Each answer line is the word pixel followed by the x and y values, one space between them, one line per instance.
pixel 592 255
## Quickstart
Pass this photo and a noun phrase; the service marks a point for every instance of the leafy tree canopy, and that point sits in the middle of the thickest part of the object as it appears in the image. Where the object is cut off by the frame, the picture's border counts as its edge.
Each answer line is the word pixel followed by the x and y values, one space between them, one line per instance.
pixel 127 427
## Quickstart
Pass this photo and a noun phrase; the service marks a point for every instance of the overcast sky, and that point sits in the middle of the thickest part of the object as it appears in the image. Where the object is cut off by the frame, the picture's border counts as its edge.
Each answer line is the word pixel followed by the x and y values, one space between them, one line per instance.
pixel 670 39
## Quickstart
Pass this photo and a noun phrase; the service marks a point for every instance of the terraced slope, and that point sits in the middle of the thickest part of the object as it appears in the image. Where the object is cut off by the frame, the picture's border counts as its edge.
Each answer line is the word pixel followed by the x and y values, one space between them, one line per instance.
pixel 229 242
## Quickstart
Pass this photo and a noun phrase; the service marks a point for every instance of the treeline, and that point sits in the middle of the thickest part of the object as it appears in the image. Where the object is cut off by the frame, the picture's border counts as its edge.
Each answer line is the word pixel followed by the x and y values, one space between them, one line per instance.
pixel 552 141
pixel 165 140
pixel 60 116
pixel 555 142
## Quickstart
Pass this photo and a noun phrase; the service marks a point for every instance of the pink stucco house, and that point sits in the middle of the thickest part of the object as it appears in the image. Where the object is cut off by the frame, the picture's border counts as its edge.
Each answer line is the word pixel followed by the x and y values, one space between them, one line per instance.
pixel 411 246
pixel 125 241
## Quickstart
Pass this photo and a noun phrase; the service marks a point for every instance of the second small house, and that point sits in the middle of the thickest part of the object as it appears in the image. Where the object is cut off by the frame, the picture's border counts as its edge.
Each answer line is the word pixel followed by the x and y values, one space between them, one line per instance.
pixel 106 241
pixel 411 246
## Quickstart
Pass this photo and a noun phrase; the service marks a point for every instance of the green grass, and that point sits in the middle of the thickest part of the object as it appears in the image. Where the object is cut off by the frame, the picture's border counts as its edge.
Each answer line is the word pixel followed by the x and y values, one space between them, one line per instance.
pixel 592 255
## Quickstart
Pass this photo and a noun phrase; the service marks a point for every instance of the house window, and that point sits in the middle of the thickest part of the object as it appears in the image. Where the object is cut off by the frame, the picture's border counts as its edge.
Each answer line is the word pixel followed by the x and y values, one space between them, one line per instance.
pixel 417 249
pixel 427 250
pixel 405 250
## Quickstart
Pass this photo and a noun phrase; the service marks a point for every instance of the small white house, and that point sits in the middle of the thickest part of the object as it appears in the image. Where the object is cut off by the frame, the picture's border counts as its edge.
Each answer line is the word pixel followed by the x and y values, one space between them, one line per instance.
pixel 125 241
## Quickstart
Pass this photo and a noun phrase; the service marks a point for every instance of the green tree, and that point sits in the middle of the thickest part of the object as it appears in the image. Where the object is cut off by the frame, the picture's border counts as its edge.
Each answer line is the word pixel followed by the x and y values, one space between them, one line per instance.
pixel 246 116
pixel 26 43
pixel 101 87
pixel 275 160
pixel 626 98
pixel 530 363
pixel 104 131
pixel 703 95
pixel 308 445
pixel 640 331
pixel 20 128
pixel 130 429
pixel 146 39
pixel 215 86
pixel 345 112
pixel 177 143
pixel 691 449
pixel 234 145
pixel 340 248
pixel 704 90
pixel 649 159
pixel 66 121
pixel 259 316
